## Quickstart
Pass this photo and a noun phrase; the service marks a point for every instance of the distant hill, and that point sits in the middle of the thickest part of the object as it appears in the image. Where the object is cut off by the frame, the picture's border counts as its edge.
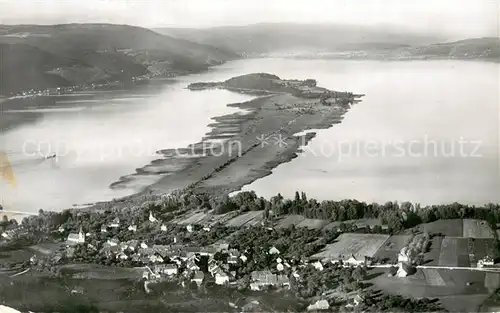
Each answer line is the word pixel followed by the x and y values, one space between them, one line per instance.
pixel 336 41
pixel 281 37
pixel 476 48
pixel 33 56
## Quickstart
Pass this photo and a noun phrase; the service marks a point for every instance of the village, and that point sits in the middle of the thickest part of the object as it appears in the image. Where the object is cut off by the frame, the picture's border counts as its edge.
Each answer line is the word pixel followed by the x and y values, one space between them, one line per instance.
pixel 325 263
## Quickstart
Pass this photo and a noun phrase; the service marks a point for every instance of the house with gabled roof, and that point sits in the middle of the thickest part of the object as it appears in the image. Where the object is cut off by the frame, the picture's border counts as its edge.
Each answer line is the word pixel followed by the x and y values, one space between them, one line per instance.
pixel 319 305
pixel 152 219
pixel 274 250
pixel 486 261
pixel 213 268
pixel 318 265
pixel 221 278
pixel 353 260
pixel 115 223
pixel 155 258
pixel 171 269
pixel 132 244
pixel 191 264
pixel 232 260
pixel 122 256
pixel 113 242
pixel 198 277
pixel 132 228
pixel 262 279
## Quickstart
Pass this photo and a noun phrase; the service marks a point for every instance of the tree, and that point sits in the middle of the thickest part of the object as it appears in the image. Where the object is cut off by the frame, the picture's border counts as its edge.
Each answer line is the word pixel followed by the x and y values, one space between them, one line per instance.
pixel 297 196
pixel 359 273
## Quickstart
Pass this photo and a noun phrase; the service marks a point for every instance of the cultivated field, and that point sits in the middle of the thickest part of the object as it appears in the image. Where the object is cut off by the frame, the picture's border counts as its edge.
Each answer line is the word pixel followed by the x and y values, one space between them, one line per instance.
pixel 481 247
pixel 290 220
pixel 256 221
pixel 312 223
pixel 359 245
pixel 449 286
pixel 359 223
pixel 193 219
pixel 492 281
pixel 241 220
pixel 390 249
pixel 432 257
pixel 462 252
pixel 476 229
pixel 433 277
pixel 468 228
pixel 454 252
pixel 451 228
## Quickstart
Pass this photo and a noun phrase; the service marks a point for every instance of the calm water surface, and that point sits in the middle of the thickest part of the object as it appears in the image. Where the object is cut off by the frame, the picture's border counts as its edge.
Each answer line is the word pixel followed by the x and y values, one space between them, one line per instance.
pixel 425 131
pixel 99 140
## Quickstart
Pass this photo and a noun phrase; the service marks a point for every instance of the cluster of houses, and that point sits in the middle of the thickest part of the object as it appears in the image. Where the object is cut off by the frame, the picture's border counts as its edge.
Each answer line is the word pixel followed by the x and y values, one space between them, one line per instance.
pixel 163 262
pixel 13 231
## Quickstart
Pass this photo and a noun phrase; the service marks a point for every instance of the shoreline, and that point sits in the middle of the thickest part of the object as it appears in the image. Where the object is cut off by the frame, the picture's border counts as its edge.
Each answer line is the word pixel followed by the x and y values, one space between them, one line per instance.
pixel 218 167
pixel 226 168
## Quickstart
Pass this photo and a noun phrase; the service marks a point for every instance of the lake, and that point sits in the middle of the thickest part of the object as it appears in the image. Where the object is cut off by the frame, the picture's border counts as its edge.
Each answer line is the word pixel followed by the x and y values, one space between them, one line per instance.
pixel 100 137
pixel 426 131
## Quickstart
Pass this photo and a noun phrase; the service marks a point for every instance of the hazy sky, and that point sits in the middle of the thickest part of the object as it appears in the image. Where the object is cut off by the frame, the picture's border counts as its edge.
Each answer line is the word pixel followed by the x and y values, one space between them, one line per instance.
pixel 461 18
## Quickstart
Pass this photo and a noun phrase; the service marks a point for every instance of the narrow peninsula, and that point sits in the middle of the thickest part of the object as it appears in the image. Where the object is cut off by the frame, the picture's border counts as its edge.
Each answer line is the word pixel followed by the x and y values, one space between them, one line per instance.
pixel 247 145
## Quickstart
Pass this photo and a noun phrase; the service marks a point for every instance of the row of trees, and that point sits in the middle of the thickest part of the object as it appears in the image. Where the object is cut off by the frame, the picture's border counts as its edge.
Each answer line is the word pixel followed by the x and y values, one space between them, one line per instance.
pixel 396 215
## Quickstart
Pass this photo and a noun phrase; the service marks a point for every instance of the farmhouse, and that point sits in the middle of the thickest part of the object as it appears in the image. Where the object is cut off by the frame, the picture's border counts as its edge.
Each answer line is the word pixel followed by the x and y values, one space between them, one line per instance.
pixel 198 277
pixel 122 256
pixel 152 219
pixel 352 260
pixel 486 261
pixel 132 245
pixel 274 250
pixel 115 223
pixel 221 278
pixel 213 268
pixel 232 260
pixel 405 269
pixel 319 305
pixel 170 269
pixel 402 270
pixel 113 242
pixel 403 255
pixel 191 265
pixel 262 279
pixel 317 265
pixel 132 228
